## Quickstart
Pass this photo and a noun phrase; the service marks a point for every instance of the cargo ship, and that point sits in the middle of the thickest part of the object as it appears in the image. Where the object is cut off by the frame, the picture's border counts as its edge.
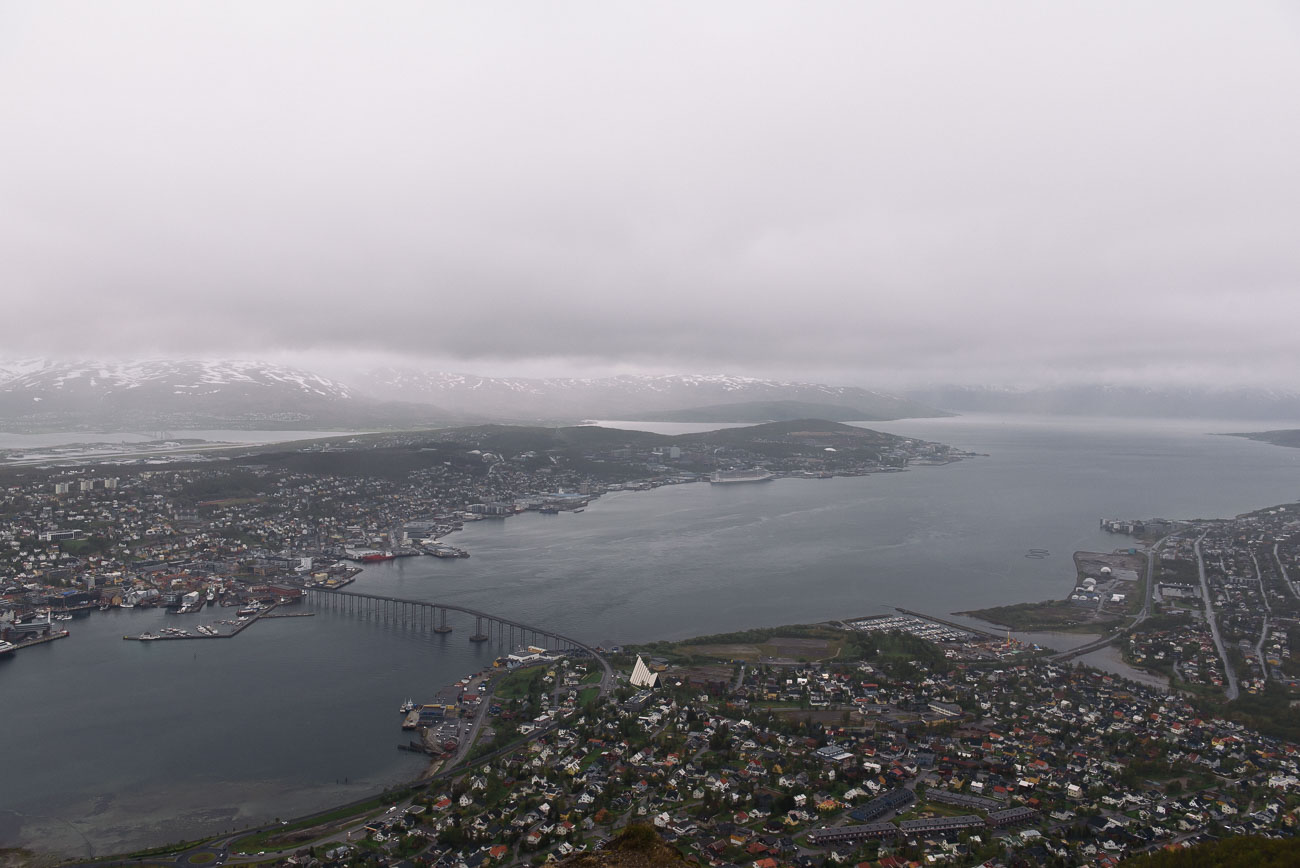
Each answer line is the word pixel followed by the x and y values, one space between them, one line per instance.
pixel 376 557
pixel 731 477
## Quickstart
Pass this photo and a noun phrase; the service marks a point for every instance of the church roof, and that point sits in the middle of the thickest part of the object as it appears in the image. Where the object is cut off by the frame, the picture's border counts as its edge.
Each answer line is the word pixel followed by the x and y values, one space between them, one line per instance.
pixel 642 676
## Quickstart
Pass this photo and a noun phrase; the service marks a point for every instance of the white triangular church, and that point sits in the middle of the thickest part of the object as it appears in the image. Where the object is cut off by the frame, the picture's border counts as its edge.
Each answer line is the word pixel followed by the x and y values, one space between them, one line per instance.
pixel 642 676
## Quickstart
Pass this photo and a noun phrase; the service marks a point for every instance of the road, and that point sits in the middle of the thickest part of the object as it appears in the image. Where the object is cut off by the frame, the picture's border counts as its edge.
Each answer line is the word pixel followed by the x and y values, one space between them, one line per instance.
pixel 1268 609
pixel 1231 691
pixel 1151 578
pixel 1141 616
pixel 1286 580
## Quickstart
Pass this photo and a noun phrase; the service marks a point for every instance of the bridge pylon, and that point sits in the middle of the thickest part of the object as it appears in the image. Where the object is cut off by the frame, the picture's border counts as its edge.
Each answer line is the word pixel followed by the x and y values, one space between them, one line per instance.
pixel 442 622
pixel 479 635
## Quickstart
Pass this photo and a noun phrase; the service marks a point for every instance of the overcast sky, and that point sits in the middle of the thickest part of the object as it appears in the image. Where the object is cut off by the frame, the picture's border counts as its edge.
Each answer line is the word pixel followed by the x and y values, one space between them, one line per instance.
pixel 861 192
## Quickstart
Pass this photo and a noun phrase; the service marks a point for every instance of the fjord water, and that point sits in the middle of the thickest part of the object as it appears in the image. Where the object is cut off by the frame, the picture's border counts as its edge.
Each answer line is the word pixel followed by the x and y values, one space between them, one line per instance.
pixel 125 744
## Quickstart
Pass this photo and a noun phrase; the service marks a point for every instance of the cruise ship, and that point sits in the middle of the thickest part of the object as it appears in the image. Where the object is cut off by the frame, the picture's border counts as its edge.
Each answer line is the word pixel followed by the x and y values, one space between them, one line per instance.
pixel 728 477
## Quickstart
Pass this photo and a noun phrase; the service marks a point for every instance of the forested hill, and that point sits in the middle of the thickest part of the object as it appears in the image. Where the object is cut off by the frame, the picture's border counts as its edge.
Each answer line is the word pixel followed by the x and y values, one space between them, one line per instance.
pixel 1248 852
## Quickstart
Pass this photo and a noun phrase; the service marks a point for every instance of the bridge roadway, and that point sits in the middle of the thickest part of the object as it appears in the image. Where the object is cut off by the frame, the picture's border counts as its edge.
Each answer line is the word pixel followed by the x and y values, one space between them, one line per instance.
pixel 353 598
pixel 218 850
pixel 378 603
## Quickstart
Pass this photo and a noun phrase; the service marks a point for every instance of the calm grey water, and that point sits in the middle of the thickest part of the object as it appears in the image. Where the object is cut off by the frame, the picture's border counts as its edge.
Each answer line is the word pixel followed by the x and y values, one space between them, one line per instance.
pixel 122 744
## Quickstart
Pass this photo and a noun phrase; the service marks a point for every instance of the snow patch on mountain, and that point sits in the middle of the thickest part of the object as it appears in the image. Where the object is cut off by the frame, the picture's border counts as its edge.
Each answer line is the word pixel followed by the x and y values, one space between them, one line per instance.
pixel 612 397
pixel 181 376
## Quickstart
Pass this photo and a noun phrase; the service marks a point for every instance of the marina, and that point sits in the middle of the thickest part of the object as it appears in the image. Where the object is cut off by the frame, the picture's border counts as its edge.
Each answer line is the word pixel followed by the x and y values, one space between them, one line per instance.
pixel 205 631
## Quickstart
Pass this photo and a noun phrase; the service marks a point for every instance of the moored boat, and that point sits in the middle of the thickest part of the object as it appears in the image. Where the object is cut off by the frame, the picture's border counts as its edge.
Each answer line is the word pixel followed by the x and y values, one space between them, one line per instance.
pixel 730 477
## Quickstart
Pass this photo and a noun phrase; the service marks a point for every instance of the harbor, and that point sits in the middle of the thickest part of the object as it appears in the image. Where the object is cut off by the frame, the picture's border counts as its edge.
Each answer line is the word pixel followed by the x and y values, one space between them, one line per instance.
pixel 660 560
pixel 210 631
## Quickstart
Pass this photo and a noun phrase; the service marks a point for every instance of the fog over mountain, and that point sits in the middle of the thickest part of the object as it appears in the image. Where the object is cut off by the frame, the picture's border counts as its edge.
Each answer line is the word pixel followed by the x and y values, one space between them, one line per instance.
pixel 197 394
pixel 622 397
pixel 180 394
pixel 873 194
pixel 1188 402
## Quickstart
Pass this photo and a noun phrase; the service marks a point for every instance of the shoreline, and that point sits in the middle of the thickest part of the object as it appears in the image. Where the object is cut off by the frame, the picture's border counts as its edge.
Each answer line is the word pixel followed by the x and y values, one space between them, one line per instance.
pixel 440 766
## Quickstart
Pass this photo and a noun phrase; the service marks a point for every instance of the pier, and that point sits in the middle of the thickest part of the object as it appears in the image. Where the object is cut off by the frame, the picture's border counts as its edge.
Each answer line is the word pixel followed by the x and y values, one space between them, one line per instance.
pixel 953 624
pixel 28 643
pixel 268 614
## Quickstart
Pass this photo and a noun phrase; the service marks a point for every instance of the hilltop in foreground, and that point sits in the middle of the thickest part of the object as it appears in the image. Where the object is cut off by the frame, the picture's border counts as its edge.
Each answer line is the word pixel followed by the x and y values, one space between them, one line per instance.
pixel 636 846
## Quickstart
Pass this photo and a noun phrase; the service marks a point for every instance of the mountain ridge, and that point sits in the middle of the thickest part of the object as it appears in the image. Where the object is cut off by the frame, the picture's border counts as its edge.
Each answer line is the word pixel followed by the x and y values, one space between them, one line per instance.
pixel 185 393
pixel 190 393
pixel 626 396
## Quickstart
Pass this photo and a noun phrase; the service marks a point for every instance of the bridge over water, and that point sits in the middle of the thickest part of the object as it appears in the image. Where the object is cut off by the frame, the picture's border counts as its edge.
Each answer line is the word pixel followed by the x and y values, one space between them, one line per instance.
pixel 422 614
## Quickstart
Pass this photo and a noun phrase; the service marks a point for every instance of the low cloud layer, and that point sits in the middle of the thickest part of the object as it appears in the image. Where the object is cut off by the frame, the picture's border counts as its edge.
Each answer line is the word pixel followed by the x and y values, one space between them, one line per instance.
pixel 858 191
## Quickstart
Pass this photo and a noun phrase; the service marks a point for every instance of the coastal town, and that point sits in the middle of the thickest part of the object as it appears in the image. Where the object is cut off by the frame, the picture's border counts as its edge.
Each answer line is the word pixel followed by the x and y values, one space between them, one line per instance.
pixel 259 528
pixel 840 744
pixel 1211 606
pixel 903 739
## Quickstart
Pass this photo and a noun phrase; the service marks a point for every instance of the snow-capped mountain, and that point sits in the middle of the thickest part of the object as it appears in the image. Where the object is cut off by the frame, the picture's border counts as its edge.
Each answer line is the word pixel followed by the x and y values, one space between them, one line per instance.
pixel 621 397
pixel 180 394
pixel 12 369
pixel 171 394
pixel 49 379
pixel 1190 402
pixel 140 395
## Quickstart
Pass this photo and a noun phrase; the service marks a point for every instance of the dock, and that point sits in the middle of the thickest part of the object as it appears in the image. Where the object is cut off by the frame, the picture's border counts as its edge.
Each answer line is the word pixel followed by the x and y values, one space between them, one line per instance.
pixel 268 614
pixel 18 646
pixel 416 747
pixel 953 624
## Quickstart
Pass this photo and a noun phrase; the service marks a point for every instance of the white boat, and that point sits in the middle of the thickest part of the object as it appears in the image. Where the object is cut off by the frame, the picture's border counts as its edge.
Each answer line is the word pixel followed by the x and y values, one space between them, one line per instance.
pixel 731 477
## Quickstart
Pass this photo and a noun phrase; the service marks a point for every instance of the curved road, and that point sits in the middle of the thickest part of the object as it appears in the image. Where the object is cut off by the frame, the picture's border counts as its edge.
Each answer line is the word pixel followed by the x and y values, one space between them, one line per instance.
pixel 1142 615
